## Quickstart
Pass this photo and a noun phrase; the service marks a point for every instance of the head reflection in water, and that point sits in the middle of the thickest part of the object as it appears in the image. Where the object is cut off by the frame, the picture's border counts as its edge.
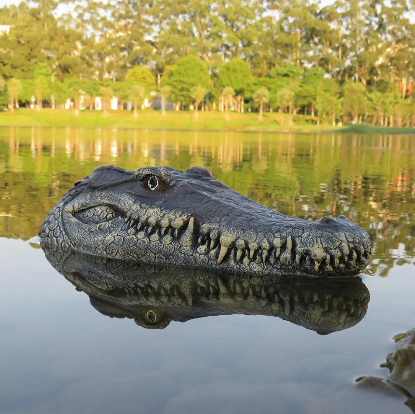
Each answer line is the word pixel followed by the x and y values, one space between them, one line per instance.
pixel 155 296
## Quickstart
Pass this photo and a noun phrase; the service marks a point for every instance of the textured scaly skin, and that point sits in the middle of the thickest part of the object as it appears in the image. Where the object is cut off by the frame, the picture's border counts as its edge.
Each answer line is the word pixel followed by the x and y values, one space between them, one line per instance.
pixel 195 221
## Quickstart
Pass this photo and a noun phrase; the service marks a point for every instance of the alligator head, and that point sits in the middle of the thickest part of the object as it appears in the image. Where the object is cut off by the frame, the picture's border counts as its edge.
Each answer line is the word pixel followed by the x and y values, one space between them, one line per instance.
pixel 154 296
pixel 162 215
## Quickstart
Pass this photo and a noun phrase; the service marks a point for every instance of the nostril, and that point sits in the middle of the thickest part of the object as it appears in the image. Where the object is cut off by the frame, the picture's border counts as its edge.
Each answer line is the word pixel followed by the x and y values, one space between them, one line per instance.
pixel 326 220
pixel 342 217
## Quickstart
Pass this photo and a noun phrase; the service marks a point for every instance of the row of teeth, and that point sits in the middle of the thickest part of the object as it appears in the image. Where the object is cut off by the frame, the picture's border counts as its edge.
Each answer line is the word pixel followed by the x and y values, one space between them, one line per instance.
pixel 218 247
pixel 156 230
pixel 282 299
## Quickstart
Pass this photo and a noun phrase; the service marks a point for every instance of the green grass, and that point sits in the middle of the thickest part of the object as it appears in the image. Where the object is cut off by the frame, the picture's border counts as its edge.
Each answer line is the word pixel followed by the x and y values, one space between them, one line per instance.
pixel 152 120
pixel 370 129
pixel 182 120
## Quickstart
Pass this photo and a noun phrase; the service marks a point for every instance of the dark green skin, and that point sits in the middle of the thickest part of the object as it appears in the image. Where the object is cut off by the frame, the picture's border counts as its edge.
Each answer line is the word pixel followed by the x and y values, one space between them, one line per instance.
pixel 192 220
pixel 154 296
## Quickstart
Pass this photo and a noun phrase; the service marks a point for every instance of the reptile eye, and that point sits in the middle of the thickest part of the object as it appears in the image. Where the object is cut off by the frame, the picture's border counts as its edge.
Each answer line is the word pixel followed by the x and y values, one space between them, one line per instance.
pixel 152 182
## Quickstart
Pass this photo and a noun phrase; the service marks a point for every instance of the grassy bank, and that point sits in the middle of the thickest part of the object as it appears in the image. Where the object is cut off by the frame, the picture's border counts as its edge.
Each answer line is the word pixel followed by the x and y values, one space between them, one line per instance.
pixel 152 120
pixel 182 120
pixel 369 129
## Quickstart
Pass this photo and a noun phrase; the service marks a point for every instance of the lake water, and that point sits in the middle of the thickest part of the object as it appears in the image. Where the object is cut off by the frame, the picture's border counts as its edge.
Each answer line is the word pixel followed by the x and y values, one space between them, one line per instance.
pixel 211 349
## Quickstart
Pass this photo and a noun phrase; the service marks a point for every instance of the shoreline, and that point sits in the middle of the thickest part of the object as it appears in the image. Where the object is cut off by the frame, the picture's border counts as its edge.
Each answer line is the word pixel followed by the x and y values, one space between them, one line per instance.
pixel 183 121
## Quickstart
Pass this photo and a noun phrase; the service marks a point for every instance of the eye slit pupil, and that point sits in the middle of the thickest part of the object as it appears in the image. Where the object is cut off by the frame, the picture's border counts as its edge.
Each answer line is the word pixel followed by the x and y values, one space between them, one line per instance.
pixel 153 182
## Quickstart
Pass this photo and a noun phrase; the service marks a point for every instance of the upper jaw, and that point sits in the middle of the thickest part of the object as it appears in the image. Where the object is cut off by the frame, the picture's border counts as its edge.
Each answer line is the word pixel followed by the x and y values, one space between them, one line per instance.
pixel 268 249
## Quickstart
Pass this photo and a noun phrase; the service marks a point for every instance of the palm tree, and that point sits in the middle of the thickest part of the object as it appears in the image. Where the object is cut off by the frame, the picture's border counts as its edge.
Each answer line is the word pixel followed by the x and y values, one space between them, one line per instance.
pixel 228 93
pixel 137 94
pixel 260 97
pixel 106 94
pixel 165 93
pixel 14 86
pixel 197 93
pixel 286 97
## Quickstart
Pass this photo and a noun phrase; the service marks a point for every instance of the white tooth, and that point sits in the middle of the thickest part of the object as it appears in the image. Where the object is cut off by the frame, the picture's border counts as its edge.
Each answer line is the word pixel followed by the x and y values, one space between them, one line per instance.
pixel 277 244
pixel 187 237
pixel 240 246
pixel 246 260
pixel 252 247
pixel 191 224
pixel 223 251
pixel 164 225
pixel 222 288
pixel 265 248
pixel 213 238
pixel 176 233
pixel 140 235
pixel 225 241
pixel 289 244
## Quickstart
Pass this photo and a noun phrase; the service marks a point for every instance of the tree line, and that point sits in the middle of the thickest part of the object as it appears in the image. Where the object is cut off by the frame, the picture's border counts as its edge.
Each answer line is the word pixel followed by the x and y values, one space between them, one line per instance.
pixel 350 61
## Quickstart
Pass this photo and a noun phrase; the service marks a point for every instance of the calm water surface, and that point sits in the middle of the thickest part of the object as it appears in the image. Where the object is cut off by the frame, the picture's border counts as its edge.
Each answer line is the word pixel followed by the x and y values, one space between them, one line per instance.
pixel 63 351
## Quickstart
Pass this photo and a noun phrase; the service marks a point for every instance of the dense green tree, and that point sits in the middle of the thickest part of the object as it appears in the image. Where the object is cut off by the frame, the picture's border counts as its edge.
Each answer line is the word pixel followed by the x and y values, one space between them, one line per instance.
pixel 236 74
pixel 143 76
pixel 185 75
pixel 354 99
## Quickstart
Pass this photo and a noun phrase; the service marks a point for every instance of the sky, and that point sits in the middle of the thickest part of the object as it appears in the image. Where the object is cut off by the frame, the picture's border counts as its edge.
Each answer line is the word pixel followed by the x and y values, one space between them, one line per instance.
pixel 8 2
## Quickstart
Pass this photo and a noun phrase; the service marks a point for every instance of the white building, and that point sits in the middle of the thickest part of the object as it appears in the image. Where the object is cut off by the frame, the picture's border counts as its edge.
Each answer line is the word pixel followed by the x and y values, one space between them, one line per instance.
pixel 98 103
pixel 4 29
pixel 114 103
